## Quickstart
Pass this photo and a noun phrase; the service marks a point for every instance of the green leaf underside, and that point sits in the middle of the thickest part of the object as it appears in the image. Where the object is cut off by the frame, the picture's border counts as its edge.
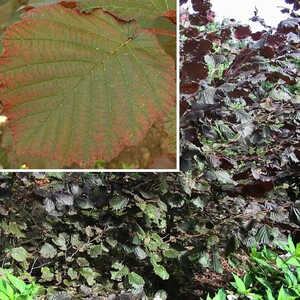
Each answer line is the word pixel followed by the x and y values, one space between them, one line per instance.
pixel 77 87
pixel 128 9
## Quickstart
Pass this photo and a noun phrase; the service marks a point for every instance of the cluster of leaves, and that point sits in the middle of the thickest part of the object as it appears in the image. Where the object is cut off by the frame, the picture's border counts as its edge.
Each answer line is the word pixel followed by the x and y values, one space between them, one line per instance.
pixel 84 80
pixel 144 233
pixel 12 288
pixel 271 276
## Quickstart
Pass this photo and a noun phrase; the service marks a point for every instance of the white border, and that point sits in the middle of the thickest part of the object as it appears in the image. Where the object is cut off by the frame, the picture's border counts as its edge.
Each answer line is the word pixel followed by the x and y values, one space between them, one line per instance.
pixel 131 170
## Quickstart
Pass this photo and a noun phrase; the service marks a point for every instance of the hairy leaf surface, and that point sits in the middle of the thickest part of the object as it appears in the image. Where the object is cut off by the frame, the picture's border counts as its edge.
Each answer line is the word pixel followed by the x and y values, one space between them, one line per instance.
pixel 79 87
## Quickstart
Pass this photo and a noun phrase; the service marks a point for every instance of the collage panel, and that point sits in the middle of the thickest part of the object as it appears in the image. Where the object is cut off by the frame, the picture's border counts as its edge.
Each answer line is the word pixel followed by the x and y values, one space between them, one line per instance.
pixel 88 84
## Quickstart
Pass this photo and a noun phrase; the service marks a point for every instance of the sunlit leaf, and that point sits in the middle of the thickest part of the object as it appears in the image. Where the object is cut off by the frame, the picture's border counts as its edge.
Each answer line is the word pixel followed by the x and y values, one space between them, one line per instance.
pixel 48 251
pixel 19 254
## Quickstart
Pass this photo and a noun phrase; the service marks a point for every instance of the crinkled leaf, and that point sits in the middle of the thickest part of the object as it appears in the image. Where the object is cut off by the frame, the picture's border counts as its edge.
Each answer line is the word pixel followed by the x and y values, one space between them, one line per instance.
pixel 224 177
pixel 95 250
pixel 140 253
pixel 79 87
pixel 82 262
pixel 60 241
pixel 14 229
pixel 48 251
pixel 118 202
pixel 19 254
pixel 161 271
pixel 135 280
pixel 72 273
pixel 89 275
pixel 47 275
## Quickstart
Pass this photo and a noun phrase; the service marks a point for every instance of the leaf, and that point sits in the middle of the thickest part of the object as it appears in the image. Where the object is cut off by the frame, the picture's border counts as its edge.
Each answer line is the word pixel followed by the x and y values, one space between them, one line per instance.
pixel 95 250
pixel 60 241
pixel 48 251
pixel 160 271
pixel 47 275
pixel 118 202
pixel 166 35
pixel 17 283
pixel 292 247
pixel 140 253
pixel 224 177
pixel 6 291
pixel 79 87
pixel 121 271
pixel 72 273
pixel 82 262
pixel 7 12
pixel 170 127
pixel 128 9
pixel 239 284
pixel 14 229
pixel 19 254
pixel 135 280
pixel 3 296
pixel 89 275
pixel 263 234
pixel 160 295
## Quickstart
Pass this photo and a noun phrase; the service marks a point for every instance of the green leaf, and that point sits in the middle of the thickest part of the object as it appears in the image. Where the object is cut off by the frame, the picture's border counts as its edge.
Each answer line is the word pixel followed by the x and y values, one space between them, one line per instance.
pixel 293 261
pixel 135 280
pixel 128 9
pixel 292 248
pixel 17 283
pixel 224 177
pixel 297 251
pixel 72 273
pixel 19 254
pixel 264 282
pixel 121 271
pixel 6 289
pixel 263 262
pixel 47 275
pixel 60 241
pixel 95 250
pixel 3 296
pixel 270 295
pixel 14 229
pixel 89 275
pixel 171 253
pixel 283 296
pixel 160 295
pixel 239 284
pixel 118 202
pixel 204 260
pixel 82 262
pixel 77 87
pixel 161 271
pixel 140 253
pixel 221 295
pixel 48 251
